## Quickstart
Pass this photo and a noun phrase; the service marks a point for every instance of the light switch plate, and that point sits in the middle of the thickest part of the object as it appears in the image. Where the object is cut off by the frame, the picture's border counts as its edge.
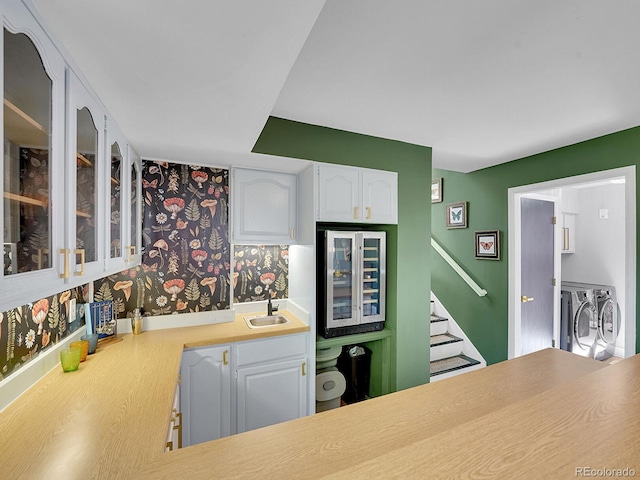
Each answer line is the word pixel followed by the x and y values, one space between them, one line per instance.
pixel 603 213
pixel 72 310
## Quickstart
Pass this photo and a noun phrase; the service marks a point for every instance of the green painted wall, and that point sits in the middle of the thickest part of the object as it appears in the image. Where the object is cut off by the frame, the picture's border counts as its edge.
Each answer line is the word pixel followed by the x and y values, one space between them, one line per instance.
pixel 485 319
pixel 408 263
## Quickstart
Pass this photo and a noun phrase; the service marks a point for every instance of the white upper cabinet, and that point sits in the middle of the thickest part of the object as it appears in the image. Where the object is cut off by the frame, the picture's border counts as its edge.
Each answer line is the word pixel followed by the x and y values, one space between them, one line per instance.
pixel 380 196
pixel 356 195
pixel 338 193
pixel 56 176
pixel 264 207
pixel 86 195
pixel 33 173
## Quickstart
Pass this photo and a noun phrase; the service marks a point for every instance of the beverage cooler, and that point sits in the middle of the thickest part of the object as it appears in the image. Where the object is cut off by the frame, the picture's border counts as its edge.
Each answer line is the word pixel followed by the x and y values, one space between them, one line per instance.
pixel 351 270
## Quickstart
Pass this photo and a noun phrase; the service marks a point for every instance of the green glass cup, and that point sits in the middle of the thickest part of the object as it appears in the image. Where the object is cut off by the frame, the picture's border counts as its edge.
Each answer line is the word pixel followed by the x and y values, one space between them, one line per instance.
pixel 70 358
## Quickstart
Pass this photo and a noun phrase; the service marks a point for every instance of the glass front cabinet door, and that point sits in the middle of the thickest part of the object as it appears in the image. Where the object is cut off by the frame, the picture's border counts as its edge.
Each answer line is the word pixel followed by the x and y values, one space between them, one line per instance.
pixel 85 156
pixel 132 255
pixel 341 281
pixel 117 197
pixel 33 166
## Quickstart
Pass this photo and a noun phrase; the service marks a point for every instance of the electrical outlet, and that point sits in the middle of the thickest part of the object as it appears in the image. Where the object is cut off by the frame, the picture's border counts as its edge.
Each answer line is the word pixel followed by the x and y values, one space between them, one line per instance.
pixel 72 310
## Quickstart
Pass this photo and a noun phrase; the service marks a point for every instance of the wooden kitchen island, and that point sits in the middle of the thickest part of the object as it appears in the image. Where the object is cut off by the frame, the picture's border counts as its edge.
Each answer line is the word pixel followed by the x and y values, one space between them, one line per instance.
pixel 537 416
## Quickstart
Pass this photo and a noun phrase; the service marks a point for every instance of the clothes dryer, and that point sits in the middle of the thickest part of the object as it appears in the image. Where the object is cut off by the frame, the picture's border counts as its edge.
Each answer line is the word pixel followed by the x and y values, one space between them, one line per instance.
pixel 579 320
pixel 606 304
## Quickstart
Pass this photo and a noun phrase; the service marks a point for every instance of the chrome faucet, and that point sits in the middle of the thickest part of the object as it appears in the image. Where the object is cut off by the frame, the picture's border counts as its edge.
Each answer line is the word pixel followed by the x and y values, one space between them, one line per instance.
pixel 270 308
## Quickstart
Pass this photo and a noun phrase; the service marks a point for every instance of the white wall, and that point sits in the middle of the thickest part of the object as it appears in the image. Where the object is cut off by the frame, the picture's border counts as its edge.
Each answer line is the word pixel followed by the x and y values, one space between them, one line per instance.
pixel 600 242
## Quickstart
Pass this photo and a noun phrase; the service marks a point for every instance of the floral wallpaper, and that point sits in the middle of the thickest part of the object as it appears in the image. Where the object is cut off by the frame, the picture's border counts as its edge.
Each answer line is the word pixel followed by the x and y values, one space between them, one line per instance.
pixel 186 253
pixel 258 268
pixel 27 330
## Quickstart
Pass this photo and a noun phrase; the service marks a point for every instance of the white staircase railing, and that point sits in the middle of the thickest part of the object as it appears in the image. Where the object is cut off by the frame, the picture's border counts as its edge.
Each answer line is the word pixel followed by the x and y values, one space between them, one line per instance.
pixel 458 269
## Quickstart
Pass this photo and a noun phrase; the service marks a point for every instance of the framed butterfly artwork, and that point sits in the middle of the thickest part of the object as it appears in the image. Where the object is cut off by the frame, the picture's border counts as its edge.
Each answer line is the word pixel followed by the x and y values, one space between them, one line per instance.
pixel 457 215
pixel 488 245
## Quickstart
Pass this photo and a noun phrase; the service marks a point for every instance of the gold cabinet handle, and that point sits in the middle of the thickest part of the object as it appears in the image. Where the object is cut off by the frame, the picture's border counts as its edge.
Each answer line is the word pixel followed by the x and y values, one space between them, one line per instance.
pixel 131 252
pixel 355 213
pixel 293 233
pixel 65 272
pixel 304 372
pixel 179 429
pixel 80 251
pixel 225 360
pixel 368 213
pixel 525 299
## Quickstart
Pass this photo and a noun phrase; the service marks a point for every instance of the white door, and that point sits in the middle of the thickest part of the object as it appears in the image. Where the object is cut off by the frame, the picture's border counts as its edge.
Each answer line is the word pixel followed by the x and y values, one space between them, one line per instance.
pixel 205 394
pixel 271 393
pixel 537 274
pixel 338 194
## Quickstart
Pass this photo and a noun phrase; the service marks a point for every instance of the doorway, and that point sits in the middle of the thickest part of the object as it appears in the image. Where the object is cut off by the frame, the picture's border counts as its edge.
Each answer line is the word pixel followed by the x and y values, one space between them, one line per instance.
pixel 624 181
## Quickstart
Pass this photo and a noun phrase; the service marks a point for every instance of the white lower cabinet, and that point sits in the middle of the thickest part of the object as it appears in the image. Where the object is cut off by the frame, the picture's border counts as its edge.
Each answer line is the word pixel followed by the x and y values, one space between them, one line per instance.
pixel 273 389
pixel 270 386
pixel 205 394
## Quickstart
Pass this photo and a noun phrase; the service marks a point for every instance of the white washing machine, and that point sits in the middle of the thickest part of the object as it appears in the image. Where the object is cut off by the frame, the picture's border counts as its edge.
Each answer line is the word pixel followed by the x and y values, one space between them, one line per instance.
pixel 590 320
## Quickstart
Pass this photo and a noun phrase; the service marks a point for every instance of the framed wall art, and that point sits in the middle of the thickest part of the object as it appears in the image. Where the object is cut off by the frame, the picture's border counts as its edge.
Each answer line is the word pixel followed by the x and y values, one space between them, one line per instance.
pixel 457 215
pixel 436 190
pixel 487 245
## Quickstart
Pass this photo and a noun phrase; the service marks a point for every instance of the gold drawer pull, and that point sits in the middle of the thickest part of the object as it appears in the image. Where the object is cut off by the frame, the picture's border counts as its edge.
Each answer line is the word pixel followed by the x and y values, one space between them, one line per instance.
pixel 368 213
pixel 355 213
pixel 304 373
pixel 80 251
pixel 65 272
pixel 225 361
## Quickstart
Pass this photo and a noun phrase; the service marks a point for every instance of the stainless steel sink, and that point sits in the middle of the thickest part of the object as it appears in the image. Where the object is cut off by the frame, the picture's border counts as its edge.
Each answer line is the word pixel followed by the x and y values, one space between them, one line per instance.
pixel 260 321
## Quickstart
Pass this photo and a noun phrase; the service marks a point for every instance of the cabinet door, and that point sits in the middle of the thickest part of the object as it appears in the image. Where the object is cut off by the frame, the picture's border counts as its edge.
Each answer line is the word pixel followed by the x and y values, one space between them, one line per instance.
pixel 86 190
pixel 380 196
pixel 341 281
pixel 338 194
pixel 33 170
pixel 271 393
pixel 117 197
pixel 205 394
pixel 264 206
pixel 134 211
pixel 373 279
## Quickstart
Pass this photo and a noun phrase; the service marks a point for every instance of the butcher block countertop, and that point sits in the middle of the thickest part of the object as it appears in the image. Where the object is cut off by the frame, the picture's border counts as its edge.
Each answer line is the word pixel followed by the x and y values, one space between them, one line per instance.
pixel 537 416
pixel 109 419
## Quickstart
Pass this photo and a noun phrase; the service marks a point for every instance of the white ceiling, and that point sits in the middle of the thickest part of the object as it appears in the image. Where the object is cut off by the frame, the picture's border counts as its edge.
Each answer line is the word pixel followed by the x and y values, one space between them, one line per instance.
pixel 482 82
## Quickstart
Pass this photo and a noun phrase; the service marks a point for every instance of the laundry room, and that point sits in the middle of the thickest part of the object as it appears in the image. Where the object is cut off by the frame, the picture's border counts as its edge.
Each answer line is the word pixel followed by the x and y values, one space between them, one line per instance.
pixel 593 246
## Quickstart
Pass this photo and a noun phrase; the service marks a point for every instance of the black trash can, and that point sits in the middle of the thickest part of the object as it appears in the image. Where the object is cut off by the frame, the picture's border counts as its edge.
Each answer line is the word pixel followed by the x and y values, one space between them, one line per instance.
pixel 355 364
